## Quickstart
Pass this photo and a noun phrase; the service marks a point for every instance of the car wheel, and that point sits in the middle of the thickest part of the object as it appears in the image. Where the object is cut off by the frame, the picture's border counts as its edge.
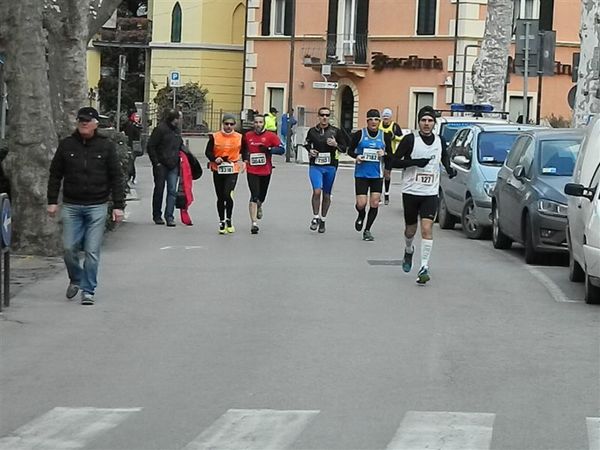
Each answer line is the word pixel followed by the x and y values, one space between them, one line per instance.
pixel 499 239
pixel 446 220
pixel 592 293
pixel 576 273
pixel 531 255
pixel 469 222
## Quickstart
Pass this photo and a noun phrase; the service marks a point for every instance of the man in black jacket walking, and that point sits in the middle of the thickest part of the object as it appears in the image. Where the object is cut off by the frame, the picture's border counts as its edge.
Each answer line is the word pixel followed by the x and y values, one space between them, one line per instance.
pixel 88 167
pixel 163 149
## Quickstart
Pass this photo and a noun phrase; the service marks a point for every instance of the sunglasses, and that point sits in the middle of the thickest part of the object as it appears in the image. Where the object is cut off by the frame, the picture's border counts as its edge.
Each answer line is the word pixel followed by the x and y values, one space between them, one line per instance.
pixel 229 124
pixel 324 115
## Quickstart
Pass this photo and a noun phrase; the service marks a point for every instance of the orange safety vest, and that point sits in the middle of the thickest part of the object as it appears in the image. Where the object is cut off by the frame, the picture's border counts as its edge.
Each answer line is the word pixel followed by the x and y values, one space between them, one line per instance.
pixel 227 145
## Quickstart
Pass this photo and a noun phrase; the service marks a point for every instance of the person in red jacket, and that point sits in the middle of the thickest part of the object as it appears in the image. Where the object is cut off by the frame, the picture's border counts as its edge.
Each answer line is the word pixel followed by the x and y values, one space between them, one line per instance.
pixel 261 144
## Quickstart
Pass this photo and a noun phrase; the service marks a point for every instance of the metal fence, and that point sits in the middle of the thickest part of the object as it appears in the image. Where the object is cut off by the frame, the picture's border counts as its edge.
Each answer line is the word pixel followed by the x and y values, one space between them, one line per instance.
pixel 337 49
pixel 197 120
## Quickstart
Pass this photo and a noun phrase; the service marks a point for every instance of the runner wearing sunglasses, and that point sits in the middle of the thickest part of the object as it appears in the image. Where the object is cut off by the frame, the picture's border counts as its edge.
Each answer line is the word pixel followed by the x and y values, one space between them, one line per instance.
pixel 323 143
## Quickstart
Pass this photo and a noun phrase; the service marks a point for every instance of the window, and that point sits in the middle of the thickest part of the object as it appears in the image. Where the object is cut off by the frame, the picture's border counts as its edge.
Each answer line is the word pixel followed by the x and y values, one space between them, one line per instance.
pixel 527 9
pixel 426 17
pixel 526 159
pixel 277 18
pixel 275 98
pixel 516 151
pixel 421 99
pixel 176 23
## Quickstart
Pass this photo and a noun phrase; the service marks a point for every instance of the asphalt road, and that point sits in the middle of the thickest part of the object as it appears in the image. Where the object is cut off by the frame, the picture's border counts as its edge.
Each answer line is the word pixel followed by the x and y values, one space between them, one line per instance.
pixel 292 339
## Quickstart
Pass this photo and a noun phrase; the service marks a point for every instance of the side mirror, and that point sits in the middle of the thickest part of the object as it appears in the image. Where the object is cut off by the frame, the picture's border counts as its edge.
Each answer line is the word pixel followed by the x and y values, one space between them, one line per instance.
pixel 579 190
pixel 461 160
pixel 519 172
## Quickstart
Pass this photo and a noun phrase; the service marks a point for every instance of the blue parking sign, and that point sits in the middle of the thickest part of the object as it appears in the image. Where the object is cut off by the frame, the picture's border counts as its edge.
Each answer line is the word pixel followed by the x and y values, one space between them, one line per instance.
pixel 174 78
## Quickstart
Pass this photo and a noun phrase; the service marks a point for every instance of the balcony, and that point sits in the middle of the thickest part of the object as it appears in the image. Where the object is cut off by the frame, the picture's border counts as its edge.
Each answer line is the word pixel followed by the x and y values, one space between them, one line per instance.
pixel 130 32
pixel 345 53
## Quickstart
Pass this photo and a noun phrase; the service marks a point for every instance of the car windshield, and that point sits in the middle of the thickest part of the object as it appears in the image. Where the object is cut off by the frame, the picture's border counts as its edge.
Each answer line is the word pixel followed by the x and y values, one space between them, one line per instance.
pixel 493 146
pixel 449 129
pixel 557 158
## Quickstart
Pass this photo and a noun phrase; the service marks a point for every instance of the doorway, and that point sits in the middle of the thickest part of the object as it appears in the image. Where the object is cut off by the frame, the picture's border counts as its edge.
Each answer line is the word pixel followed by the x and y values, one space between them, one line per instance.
pixel 347 110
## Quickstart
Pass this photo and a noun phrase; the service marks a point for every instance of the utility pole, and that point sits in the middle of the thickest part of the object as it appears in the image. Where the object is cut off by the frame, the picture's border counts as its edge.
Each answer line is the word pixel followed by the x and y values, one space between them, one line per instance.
pixel 526 76
pixel 456 17
pixel 290 103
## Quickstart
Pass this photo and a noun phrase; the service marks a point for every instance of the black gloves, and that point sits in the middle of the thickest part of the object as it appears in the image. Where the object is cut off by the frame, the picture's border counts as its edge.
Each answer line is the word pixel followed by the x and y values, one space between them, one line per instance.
pixel 451 172
pixel 420 162
pixel 264 148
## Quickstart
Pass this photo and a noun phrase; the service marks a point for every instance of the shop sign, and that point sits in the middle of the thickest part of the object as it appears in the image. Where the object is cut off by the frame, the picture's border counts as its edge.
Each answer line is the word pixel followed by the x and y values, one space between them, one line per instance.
pixel 380 61
pixel 559 68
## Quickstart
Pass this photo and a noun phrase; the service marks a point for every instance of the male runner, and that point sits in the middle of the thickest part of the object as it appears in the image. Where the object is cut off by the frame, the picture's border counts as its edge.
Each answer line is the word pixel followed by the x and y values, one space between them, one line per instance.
pixel 369 146
pixel 226 155
pixel 323 143
pixel 389 126
pixel 420 154
pixel 261 144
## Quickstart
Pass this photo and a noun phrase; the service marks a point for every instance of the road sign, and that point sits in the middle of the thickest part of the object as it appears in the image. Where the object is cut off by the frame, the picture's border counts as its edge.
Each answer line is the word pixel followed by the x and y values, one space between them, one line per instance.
pixel 532 36
pixel 174 78
pixel 5 224
pixel 122 67
pixel 325 85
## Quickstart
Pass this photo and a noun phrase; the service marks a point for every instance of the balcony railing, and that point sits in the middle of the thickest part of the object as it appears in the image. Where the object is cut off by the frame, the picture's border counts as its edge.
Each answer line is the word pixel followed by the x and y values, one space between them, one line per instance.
pixel 337 49
pixel 132 30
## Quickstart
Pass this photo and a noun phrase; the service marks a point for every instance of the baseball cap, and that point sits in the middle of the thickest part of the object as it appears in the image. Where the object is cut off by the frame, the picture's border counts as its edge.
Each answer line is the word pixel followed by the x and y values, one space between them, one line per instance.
pixel 386 114
pixel 87 113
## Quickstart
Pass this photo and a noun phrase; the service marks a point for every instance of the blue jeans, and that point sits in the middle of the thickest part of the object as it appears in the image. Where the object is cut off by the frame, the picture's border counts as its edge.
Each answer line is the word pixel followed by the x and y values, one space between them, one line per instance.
pixel 162 174
pixel 83 229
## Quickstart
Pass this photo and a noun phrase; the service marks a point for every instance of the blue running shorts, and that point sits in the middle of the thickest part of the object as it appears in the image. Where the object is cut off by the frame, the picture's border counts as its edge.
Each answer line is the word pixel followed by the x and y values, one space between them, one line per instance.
pixel 322 177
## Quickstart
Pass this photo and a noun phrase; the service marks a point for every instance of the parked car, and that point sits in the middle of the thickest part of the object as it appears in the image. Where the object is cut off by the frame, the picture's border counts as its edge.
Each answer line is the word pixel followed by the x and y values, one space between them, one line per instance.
pixel 477 153
pixel 528 203
pixel 448 126
pixel 583 229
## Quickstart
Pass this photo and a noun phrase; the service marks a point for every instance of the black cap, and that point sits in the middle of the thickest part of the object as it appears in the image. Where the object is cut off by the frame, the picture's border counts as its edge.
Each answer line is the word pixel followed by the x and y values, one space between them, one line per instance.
pixel 273 110
pixel 373 113
pixel 426 111
pixel 88 113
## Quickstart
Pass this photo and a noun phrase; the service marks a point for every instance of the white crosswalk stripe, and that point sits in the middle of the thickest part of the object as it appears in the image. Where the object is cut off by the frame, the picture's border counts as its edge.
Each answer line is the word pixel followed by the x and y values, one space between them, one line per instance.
pixel 421 430
pixel 65 428
pixel 253 429
pixel 593 428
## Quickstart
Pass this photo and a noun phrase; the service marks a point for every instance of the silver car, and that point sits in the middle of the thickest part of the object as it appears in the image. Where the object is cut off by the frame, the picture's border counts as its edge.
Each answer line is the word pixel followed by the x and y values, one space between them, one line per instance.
pixel 477 153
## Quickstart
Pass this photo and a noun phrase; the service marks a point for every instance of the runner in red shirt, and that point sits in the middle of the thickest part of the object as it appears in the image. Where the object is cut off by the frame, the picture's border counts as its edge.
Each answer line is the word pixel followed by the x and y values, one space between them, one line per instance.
pixel 261 144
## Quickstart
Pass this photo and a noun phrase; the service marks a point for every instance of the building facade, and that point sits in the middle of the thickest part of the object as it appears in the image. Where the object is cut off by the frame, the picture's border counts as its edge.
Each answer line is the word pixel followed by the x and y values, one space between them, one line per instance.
pixel 390 53
pixel 204 41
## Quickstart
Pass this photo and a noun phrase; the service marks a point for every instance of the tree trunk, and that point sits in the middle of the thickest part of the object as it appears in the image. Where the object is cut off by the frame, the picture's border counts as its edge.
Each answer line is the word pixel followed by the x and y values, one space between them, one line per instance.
pixel 32 138
pixel 588 85
pixel 490 67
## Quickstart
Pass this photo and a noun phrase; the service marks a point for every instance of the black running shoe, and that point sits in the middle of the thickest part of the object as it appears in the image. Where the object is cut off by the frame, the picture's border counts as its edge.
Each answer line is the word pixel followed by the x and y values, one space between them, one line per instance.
pixel 423 276
pixel 321 226
pixel 386 200
pixel 254 229
pixel 314 224
pixel 407 262
pixel 367 236
pixel 358 224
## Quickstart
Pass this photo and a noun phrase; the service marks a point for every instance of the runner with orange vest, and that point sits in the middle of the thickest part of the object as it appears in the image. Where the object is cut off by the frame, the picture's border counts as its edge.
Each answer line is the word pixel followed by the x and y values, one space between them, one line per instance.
pixel 226 154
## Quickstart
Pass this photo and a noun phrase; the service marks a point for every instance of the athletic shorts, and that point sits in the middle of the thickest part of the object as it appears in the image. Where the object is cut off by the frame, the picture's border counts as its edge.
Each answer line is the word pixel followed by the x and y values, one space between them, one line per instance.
pixel 322 177
pixel 415 206
pixel 258 185
pixel 362 185
pixel 387 162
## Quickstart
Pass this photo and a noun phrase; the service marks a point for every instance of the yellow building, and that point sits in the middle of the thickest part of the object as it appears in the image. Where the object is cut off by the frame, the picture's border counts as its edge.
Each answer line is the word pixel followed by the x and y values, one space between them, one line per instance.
pixel 204 41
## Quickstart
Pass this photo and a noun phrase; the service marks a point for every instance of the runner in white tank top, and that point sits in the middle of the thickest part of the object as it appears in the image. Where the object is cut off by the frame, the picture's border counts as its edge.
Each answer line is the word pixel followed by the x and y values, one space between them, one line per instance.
pixel 420 154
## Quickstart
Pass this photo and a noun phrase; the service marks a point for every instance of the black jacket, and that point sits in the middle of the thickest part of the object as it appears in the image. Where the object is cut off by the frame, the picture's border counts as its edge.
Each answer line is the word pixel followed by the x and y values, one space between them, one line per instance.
pixel 90 171
pixel 316 139
pixel 164 145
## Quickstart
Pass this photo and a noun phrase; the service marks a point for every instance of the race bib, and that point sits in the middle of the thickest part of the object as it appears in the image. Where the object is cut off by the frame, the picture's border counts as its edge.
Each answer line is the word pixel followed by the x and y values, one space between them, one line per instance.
pixel 426 178
pixel 323 159
pixel 370 155
pixel 258 159
pixel 225 168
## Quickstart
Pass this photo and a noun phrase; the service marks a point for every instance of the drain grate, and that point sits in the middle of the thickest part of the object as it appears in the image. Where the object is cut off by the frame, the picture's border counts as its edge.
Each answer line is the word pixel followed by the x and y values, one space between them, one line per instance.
pixel 384 262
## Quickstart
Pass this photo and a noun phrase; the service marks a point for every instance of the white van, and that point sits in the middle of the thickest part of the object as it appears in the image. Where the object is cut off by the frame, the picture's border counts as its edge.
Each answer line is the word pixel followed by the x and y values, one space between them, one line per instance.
pixel 583 217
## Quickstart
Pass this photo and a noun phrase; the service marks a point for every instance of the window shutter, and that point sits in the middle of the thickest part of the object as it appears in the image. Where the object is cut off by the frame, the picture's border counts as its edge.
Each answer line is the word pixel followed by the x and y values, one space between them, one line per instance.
pixel 266 18
pixel 332 27
pixel 426 17
pixel 362 30
pixel 287 21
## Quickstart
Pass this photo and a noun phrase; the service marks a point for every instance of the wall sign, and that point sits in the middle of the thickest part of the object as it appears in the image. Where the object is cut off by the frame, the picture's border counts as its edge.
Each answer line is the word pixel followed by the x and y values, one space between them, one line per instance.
pixel 380 61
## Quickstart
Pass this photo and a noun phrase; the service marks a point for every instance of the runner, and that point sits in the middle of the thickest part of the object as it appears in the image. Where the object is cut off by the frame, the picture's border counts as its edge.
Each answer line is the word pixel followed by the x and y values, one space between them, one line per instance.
pixel 369 146
pixel 323 143
pixel 389 126
pixel 261 144
pixel 420 154
pixel 226 155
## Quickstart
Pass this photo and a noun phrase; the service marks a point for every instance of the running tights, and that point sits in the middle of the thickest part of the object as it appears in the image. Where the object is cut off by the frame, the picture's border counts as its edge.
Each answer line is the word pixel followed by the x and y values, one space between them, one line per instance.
pixel 224 186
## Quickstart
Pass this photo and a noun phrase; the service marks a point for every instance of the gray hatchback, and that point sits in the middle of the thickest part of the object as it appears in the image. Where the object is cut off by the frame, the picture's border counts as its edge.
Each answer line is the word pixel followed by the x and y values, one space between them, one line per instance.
pixel 528 203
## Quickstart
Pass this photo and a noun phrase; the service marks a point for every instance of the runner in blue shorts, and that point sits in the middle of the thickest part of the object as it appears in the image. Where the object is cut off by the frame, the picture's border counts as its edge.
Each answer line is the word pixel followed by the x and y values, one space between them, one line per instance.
pixel 323 143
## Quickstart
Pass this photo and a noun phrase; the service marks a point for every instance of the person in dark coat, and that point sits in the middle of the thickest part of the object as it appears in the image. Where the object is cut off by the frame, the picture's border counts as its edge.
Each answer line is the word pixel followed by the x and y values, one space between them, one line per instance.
pixel 133 131
pixel 163 149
